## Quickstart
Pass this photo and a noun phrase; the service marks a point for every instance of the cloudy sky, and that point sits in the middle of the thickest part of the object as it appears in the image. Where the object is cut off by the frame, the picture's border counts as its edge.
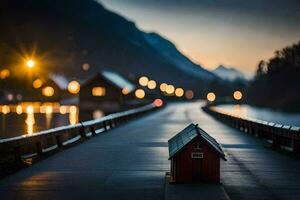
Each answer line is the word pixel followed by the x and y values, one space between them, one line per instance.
pixel 236 33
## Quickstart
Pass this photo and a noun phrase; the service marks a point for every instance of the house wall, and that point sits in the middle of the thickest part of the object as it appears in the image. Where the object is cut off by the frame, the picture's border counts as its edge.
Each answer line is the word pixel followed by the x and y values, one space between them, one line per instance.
pixel 209 170
pixel 113 94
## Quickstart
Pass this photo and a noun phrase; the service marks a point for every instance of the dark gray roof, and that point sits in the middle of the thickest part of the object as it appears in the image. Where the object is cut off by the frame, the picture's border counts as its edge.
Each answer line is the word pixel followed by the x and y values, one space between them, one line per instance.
pixel 187 135
pixel 118 80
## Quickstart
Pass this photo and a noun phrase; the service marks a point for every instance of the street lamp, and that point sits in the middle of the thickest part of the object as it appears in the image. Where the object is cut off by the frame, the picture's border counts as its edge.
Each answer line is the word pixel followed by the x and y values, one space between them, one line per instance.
pixel 30 63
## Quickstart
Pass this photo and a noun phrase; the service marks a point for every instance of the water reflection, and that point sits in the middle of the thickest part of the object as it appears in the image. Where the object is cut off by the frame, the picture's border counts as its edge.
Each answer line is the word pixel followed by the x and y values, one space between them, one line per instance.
pixel 28 118
pixel 266 114
pixel 30 121
pixel 73 116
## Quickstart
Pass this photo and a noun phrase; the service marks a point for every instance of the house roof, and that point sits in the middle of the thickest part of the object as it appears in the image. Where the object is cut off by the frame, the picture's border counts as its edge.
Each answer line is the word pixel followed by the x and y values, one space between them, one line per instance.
pixel 118 80
pixel 113 78
pixel 185 136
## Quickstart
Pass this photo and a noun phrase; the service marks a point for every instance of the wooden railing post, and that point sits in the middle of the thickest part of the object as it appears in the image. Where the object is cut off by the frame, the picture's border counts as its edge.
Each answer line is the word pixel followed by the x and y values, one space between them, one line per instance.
pixel 39 148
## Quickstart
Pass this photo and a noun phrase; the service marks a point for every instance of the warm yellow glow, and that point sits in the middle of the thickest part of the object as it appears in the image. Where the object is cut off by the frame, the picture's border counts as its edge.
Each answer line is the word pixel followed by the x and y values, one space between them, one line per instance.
pixel 30 121
pixel 30 63
pixel 179 92
pixel 49 109
pixel 73 116
pixel 140 93
pixel 37 83
pixel 143 81
pixel 151 84
pixel 211 97
pixel 5 73
pixel 98 91
pixel 170 89
pixel 19 109
pixel 63 110
pixel 163 87
pixel 29 110
pixel 74 87
pixel 48 91
pixel 237 95
pixel 5 109
pixel 189 94
pixel 125 91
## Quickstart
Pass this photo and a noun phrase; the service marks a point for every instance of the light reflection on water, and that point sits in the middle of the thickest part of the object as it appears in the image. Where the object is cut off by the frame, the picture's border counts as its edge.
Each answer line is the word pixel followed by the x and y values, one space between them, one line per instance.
pixel 266 114
pixel 28 118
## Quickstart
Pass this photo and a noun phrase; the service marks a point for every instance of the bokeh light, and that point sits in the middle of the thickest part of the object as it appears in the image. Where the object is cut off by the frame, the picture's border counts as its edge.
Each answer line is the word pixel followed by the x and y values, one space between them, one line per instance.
pixel 5 73
pixel 151 84
pixel 170 89
pixel 140 93
pixel 143 81
pixel 179 92
pixel 211 97
pixel 163 87
pixel 237 95
pixel 74 87
pixel 37 83
pixel 48 91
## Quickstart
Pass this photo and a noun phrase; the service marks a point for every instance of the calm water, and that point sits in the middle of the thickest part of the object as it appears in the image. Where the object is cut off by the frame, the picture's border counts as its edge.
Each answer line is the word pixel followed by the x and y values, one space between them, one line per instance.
pixel 263 114
pixel 31 118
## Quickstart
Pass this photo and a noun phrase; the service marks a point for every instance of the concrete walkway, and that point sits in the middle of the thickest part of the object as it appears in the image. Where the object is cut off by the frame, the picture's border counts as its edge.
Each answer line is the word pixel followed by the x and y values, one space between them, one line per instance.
pixel 130 162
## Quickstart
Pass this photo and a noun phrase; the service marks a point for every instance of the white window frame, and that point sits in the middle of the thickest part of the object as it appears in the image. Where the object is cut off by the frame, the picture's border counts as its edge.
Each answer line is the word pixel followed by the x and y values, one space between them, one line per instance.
pixel 197 155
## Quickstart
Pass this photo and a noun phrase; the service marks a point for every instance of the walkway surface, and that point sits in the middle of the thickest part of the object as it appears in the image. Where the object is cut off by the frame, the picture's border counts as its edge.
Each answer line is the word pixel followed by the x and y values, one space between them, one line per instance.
pixel 130 162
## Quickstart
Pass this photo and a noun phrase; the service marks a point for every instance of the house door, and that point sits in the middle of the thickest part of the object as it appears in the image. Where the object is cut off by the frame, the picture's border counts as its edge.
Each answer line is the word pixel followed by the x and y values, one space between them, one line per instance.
pixel 197 166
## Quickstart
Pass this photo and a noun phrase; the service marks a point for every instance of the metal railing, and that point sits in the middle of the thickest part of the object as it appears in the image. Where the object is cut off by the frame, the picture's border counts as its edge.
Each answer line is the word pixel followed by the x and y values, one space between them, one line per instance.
pixel 18 148
pixel 279 136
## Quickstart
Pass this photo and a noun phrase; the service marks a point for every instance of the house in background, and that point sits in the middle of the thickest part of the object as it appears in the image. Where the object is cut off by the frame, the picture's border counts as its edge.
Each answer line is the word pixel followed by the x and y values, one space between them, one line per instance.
pixel 107 91
pixel 195 156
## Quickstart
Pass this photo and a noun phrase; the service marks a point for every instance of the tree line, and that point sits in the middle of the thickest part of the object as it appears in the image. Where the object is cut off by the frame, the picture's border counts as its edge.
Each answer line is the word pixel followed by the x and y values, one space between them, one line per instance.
pixel 277 81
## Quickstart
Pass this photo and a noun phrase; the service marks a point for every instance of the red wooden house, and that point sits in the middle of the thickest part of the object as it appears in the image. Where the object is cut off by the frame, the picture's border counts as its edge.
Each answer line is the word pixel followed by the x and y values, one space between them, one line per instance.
pixel 195 156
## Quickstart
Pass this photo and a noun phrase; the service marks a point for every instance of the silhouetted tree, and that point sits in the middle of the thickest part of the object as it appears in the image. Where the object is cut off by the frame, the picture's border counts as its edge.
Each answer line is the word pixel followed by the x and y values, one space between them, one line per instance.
pixel 277 82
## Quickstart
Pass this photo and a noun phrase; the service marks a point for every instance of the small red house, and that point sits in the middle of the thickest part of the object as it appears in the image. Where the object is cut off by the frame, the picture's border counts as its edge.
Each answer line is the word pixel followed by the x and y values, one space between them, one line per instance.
pixel 195 156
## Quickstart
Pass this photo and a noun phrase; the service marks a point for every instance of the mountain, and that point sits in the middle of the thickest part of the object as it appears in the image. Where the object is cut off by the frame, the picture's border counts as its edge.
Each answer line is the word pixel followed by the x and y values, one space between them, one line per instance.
pixel 229 73
pixel 174 56
pixel 65 34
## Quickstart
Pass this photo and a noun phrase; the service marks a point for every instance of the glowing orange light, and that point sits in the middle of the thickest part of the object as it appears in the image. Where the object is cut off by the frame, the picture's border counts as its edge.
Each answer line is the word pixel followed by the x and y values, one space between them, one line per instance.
pixel 48 91
pixel 140 94
pixel 143 81
pixel 125 91
pixel 170 89
pixel 189 94
pixel 29 110
pixel 163 87
pixel 151 84
pixel 30 63
pixel 74 87
pixel 158 102
pixel 98 91
pixel 19 109
pixel 5 109
pixel 179 92
pixel 5 73
pixel 237 95
pixel 63 110
pixel 37 83
pixel 211 97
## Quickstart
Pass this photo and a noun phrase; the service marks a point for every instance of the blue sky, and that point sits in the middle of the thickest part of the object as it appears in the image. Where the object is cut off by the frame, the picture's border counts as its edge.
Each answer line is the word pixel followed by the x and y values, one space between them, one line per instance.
pixel 236 33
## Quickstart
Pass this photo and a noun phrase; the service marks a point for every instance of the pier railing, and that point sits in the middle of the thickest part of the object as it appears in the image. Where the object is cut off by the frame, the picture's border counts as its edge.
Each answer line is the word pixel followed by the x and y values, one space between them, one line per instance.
pixel 40 143
pixel 278 135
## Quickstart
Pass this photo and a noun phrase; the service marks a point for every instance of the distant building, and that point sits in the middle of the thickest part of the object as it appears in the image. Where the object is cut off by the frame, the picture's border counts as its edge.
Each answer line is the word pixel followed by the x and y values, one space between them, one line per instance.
pixel 195 156
pixel 107 91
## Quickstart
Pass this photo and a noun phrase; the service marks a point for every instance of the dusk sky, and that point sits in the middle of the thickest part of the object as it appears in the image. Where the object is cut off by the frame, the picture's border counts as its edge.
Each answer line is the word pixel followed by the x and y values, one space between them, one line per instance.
pixel 235 33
